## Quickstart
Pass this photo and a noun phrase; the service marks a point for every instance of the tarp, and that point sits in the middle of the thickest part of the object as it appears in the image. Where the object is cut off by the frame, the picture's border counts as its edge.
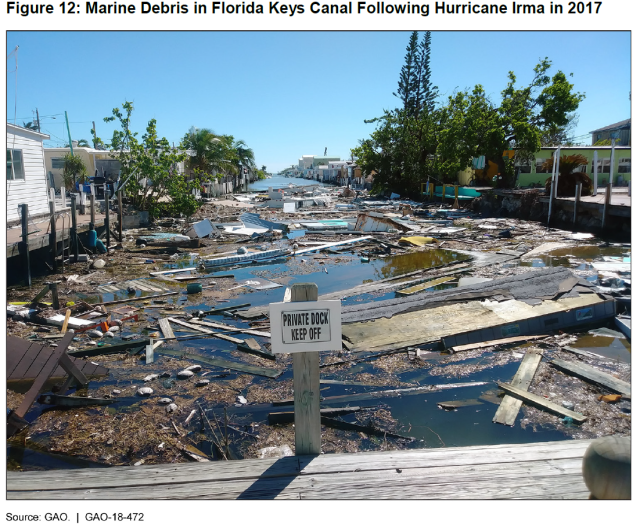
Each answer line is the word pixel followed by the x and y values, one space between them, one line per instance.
pixel 417 241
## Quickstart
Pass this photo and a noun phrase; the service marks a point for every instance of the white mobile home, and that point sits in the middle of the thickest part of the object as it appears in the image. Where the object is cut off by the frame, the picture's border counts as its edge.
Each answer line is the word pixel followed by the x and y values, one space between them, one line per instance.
pixel 26 176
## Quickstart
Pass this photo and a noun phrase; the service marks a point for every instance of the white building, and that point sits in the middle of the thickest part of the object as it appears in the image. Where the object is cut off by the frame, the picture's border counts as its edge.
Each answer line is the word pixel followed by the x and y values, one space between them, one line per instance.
pixel 26 175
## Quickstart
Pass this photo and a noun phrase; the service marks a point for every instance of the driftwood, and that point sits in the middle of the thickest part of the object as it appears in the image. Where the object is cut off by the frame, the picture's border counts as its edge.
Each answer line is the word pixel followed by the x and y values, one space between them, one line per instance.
pixel 222 363
pixel 287 417
pixel 542 403
pixel 73 402
pixel 133 346
pixel 593 376
pixel 369 430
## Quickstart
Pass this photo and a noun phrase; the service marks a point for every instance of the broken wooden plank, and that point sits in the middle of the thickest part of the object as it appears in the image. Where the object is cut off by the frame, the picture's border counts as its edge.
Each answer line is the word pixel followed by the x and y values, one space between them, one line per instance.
pixel 287 417
pixel 542 403
pixel 421 287
pixel 167 332
pixel 345 383
pixel 222 363
pixel 583 353
pixel 135 299
pixel 510 406
pixel 65 323
pixel 121 347
pixel 369 430
pixel 40 295
pixel 169 271
pixel 594 376
pixel 215 311
pixel 225 327
pixel 204 330
pixel 250 345
pixel 372 395
pixel 454 404
pixel 497 342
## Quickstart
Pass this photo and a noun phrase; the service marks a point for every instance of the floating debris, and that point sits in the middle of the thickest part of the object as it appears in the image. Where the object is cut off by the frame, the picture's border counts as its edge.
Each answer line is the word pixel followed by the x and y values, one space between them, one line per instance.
pixel 145 392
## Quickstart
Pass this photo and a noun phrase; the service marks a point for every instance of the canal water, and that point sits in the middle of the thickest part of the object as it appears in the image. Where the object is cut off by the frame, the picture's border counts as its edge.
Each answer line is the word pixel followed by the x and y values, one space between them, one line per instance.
pixel 279 182
pixel 417 415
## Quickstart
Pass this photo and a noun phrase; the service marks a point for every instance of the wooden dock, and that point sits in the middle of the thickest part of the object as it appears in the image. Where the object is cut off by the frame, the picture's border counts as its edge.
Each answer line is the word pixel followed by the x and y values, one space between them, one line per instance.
pixel 547 470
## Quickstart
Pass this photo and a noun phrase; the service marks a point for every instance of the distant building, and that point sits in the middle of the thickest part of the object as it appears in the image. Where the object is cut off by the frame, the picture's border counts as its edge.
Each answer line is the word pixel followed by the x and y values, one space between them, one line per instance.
pixel 26 177
pixel 619 130
pixel 536 174
pixel 94 159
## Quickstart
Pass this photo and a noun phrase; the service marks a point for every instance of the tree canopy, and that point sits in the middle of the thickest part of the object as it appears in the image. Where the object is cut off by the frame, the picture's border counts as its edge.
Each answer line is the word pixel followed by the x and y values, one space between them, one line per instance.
pixel 150 168
pixel 425 139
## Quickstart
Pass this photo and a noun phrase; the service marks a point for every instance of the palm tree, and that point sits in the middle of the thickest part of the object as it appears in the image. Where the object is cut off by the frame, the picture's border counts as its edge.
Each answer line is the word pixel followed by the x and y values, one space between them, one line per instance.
pixel 203 144
pixel 81 143
pixel 245 154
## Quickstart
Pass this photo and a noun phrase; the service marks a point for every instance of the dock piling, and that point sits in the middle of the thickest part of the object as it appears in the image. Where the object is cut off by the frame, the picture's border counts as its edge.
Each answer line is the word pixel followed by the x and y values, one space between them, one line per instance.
pixel 120 215
pixel 53 236
pixel 576 204
pixel 106 214
pixel 73 233
pixel 55 302
pixel 24 211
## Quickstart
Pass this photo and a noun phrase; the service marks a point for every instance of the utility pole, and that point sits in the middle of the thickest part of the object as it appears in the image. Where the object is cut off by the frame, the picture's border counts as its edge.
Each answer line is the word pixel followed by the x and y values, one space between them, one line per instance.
pixel 66 118
pixel 37 120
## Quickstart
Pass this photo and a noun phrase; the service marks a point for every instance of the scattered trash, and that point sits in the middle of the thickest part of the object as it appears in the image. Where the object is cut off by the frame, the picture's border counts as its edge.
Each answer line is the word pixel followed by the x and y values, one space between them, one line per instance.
pixel 145 392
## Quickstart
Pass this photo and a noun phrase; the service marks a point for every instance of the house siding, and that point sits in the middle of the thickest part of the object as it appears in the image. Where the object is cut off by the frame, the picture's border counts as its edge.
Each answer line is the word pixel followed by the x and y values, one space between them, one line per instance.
pixel 33 190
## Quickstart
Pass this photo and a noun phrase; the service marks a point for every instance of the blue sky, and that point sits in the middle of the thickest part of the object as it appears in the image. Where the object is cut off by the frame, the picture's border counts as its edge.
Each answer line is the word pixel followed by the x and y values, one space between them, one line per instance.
pixel 286 93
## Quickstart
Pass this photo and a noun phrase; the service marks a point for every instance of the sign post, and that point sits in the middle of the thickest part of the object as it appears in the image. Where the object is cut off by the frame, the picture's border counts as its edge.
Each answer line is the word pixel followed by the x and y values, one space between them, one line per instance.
pixel 303 327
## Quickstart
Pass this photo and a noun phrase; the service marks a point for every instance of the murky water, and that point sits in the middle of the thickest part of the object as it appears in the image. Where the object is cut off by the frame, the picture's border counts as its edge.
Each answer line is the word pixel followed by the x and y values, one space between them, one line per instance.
pixel 610 347
pixel 417 415
pixel 577 257
pixel 277 182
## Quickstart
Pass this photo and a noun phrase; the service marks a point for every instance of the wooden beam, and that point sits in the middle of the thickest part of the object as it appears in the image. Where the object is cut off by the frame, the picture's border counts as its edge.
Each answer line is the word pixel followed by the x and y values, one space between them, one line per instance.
pixel 593 376
pixel 542 403
pixel 225 327
pixel 135 299
pixel 122 347
pixel 250 345
pixel 510 406
pixel 222 363
pixel 165 327
pixel 286 417
pixel 207 331
pixel 65 324
pixel 421 287
pixel 155 273
pixel 454 404
pixel 418 390
pixel 215 311
pixel 497 342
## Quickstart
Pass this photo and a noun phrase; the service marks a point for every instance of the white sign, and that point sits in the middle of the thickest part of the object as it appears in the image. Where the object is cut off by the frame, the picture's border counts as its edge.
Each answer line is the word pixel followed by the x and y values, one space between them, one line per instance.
pixel 305 326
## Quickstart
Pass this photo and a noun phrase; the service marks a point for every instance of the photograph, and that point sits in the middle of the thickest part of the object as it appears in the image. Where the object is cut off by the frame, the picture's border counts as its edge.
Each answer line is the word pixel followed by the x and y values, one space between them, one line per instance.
pixel 316 265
